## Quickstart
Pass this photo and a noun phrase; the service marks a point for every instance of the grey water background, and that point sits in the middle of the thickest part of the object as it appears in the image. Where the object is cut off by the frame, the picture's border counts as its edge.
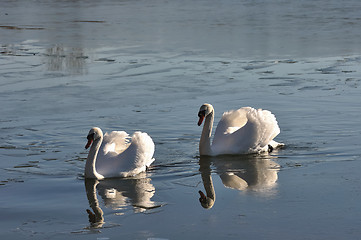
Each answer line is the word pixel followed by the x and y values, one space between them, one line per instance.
pixel 66 66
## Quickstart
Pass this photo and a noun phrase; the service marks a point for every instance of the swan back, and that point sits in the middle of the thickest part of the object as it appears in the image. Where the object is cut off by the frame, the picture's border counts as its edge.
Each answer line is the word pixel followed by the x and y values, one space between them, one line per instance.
pixel 135 158
pixel 232 120
pixel 115 141
pixel 244 130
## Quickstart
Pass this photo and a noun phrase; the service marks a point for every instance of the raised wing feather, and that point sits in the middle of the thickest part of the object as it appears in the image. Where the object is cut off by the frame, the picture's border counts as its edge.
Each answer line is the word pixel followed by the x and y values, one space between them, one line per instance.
pixel 231 121
pixel 244 130
pixel 134 159
pixel 115 141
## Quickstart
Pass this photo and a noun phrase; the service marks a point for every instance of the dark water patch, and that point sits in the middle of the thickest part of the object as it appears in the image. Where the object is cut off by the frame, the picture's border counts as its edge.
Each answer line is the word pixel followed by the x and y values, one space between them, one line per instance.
pixel 94 229
pixel 105 60
pixel 291 61
pixel 18 51
pixel 28 165
pixel 152 72
pixel 294 74
pixel 310 88
pixel 352 82
pixel 31 129
pixel 329 89
pixel 175 170
pixel 286 94
pixel 287 82
pixel 9 147
pixel 258 65
pixel 9 27
pixel 328 70
pixel 266 72
pixel 35 154
pixel 50 159
pixel 11 180
pixel 133 66
pixel 278 78
pixel 88 21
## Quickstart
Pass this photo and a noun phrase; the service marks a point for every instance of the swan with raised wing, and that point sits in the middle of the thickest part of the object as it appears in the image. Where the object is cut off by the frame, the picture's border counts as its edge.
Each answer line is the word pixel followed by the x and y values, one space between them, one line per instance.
pixel 242 131
pixel 116 154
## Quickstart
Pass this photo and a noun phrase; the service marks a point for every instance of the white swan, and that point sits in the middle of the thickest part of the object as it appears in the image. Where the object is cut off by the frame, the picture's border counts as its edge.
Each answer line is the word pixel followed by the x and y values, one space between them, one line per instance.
pixel 115 156
pixel 242 131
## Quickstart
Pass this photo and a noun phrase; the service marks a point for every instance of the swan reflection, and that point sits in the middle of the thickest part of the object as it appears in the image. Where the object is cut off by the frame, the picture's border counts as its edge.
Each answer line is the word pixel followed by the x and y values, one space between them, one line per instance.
pixel 117 194
pixel 60 58
pixel 255 173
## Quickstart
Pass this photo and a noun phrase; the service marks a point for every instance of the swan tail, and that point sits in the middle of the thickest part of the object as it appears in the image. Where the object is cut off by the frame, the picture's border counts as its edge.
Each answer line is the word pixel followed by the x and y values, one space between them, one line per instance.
pixel 276 145
pixel 266 127
pixel 144 148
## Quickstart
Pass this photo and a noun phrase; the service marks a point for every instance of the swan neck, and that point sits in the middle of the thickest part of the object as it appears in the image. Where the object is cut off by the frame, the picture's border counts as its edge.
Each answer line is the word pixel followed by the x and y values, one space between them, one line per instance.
pixel 205 141
pixel 90 169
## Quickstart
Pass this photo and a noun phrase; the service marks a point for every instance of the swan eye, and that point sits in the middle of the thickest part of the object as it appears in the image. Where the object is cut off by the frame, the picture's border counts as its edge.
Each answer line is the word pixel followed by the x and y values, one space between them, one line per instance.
pixel 90 136
pixel 202 113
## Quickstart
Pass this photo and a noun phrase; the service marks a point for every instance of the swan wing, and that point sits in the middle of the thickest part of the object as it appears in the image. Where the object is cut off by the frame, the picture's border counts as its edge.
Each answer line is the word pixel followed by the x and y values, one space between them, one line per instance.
pixel 233 181
pixel 133 160
pixel 231 121
pixel 115 141
pixel 244 130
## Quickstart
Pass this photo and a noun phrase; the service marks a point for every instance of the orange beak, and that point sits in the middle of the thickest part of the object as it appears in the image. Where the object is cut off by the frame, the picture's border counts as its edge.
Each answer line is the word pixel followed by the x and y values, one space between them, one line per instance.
pixel 201 118
pixel 202 196
pixel 90 141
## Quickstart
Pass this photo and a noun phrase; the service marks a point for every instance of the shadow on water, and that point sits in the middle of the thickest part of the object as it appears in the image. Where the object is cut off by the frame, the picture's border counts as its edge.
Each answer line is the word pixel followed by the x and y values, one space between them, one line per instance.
pixel 255 173
pixel 118 194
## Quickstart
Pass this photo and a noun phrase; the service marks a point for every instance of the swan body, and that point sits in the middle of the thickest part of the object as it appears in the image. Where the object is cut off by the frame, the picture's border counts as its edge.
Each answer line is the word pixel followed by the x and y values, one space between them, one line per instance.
pixel 242 131
pixel 113 155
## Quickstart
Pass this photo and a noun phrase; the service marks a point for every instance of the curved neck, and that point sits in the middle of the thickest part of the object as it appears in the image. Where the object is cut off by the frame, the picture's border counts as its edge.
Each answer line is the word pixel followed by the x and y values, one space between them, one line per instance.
pixel 205 141
pixel 206 174
pixel 208 186
pixel 90 170
pixel 96 217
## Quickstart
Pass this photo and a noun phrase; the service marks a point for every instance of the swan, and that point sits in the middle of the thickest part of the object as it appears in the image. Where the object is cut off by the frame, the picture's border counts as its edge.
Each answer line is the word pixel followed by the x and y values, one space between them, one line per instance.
pixel 242 131
pixel 114 156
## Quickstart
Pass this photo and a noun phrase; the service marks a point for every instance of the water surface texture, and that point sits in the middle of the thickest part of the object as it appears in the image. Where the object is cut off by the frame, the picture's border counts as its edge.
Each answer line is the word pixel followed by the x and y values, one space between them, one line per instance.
pixel 66 66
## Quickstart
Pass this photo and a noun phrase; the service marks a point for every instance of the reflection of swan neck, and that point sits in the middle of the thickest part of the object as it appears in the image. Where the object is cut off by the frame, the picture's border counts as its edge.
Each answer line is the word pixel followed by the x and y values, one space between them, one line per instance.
pixel 90 187
pixel 205 141
pixel 207 201
pixel 208 186
pixel 90 169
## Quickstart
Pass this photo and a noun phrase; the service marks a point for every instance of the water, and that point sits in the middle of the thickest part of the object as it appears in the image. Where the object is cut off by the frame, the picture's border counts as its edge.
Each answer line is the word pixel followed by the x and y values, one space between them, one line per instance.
pixel 149 65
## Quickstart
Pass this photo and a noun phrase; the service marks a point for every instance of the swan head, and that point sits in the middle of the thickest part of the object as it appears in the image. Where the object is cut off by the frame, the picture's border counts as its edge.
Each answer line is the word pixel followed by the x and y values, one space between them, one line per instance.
pixel 93 135
pixel 204 111
pixel 205 201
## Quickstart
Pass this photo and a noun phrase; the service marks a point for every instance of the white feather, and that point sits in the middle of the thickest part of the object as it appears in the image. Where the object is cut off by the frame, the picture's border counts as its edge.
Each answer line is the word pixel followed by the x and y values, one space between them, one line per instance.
pixel 246 130
pixel 122 156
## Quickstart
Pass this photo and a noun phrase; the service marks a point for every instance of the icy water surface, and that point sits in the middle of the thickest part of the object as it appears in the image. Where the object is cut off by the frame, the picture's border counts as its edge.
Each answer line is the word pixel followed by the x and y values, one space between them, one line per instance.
pixel 149 65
